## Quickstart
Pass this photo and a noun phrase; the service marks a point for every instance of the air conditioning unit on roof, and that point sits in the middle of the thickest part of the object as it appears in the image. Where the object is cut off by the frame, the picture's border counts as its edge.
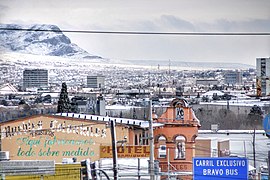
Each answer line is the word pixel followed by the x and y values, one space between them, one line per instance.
pixel 4 155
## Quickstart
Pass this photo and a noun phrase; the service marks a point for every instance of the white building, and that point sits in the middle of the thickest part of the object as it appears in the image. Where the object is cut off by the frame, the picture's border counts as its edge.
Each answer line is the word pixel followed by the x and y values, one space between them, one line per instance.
pixel 35 78
pixel 95 81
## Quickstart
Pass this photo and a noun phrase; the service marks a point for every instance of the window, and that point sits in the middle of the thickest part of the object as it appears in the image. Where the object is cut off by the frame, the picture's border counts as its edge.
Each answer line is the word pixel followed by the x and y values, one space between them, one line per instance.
pixel 136 139
pixel 162 150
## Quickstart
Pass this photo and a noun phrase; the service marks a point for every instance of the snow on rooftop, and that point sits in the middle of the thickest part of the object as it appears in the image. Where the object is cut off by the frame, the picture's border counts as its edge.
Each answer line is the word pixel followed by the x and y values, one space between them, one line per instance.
pixel 231 131
pixel 118 106
pixel 133 122
pixel 239 102
pixel 211 93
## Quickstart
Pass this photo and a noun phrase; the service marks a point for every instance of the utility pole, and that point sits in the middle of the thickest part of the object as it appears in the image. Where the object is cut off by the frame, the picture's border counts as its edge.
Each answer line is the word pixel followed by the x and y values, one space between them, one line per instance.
pixel 114 150
pixel 254 149
pixel 151 134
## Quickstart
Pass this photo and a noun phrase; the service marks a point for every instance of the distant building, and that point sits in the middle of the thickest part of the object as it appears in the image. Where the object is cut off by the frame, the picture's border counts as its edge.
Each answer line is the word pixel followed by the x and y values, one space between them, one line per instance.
pixel 233 77
pixel 95 81
pixel 263 76
pixel 35 78
pixel 90 103
pixel 206 82
pixel 212 147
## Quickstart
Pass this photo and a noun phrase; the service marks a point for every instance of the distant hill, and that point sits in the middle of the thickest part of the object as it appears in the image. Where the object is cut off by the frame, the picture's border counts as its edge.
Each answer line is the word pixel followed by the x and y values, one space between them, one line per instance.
pixel 40 42
pixel 188 64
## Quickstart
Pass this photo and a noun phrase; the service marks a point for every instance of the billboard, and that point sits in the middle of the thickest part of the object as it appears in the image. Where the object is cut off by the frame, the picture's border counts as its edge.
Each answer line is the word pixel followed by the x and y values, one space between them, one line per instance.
pixel 232 168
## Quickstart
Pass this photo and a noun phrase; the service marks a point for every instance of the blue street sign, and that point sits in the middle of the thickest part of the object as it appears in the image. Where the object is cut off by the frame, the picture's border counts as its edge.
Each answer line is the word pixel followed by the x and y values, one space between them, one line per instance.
pixel 266 124
pixel 220 168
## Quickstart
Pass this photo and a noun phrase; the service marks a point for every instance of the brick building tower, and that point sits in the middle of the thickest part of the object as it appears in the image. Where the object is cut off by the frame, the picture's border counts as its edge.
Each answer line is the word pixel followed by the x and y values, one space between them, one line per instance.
pixel 175 141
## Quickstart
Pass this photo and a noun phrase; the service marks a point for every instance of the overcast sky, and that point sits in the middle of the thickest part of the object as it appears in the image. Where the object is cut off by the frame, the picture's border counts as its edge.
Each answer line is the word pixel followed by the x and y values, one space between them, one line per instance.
pixel 154 16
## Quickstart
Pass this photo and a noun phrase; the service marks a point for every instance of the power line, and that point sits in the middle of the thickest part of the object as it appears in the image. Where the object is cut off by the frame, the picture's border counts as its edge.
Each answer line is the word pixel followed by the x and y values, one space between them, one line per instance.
pixel 143 32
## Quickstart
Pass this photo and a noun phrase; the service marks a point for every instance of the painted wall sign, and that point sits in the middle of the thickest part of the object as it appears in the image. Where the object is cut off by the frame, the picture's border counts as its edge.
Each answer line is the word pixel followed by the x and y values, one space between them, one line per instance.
pixel 40 128
pixel 125 151
pixel 49 138
pixel 220 168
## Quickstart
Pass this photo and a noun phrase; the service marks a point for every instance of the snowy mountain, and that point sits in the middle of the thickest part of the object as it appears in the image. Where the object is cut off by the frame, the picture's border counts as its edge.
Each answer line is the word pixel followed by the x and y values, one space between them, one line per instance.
pixel 40 39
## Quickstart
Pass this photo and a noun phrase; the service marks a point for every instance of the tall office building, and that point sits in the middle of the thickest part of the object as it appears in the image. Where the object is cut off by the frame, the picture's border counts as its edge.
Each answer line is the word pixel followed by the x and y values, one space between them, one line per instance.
pixel 35 78
pixel 263 76
pixel 95 81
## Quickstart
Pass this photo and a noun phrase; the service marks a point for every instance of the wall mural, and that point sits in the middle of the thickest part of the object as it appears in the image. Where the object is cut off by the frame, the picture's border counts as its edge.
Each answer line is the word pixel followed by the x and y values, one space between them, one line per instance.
pixel 57 139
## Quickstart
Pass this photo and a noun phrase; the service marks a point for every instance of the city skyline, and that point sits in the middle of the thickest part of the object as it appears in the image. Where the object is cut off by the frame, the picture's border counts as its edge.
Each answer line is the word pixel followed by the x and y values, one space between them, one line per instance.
pixel 155 16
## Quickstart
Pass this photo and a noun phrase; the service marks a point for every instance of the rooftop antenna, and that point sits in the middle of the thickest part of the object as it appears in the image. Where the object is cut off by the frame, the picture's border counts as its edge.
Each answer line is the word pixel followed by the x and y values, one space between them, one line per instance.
pixel 169 67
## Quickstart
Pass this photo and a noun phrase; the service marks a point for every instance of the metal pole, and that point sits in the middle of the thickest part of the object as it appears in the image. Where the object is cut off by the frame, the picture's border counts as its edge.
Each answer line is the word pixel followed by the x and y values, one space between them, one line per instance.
pixel 245 151
pixel 254 149
pixel 168 163
pixel 139 168
pixel 151 134
pixel 114 150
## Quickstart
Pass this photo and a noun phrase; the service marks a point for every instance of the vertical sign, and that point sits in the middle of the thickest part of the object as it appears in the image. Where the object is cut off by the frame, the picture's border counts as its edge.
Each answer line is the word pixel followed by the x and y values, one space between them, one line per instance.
pixel 266 124
pixel 220 168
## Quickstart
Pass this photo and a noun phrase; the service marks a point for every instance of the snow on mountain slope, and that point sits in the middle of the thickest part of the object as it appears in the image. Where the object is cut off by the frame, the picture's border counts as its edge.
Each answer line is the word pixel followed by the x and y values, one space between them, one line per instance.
pixel 51 42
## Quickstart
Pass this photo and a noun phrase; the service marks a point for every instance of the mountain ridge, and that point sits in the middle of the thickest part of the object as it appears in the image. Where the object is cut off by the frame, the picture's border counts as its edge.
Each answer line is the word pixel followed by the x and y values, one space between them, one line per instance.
pixel 40 39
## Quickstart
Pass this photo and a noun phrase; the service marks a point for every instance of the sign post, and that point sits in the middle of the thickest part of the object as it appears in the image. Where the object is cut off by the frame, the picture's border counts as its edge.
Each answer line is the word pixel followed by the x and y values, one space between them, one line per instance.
pixel 220 168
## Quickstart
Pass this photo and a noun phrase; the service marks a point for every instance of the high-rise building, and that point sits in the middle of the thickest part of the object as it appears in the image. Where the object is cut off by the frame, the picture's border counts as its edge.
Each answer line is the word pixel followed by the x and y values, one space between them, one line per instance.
pixel 35 78
pixel 95 81
pixel 263 76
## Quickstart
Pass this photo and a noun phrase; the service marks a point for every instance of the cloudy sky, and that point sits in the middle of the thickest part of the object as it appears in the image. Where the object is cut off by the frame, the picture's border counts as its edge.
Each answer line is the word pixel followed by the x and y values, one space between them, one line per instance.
pixel 154 16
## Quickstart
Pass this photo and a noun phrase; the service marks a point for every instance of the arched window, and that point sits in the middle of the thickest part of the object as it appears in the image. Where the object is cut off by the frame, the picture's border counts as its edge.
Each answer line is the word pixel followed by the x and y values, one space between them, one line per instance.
pixel 146 141
pixel 162 150
pixel 162 138
pixel 180 149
